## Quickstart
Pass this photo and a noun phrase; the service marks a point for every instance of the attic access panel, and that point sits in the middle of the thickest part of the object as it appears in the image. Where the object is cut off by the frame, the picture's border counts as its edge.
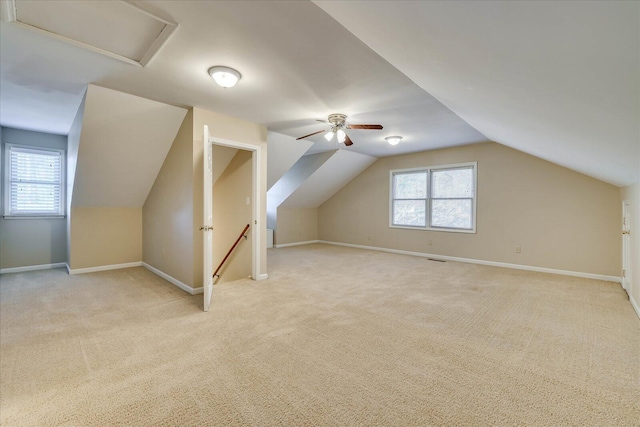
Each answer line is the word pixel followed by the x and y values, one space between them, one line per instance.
pixel 118 29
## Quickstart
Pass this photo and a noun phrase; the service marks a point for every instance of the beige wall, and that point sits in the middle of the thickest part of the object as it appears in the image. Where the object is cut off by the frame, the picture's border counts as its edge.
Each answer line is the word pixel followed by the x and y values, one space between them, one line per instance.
pixel 168 227
pixel 296 225
pixel 229 128
pixel 30 242
pixel 105 236
pixel 632 194
pixel 172 213
pixel 231 214
pixel 561 219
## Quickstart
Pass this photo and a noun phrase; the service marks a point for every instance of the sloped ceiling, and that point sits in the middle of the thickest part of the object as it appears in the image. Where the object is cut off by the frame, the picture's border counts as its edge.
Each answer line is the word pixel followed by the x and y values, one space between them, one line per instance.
pixel 283 152
pixel 298 174
pixel 221 156
pixel 298 64
pixel 330 177
pixel 123 143
pixel 559 80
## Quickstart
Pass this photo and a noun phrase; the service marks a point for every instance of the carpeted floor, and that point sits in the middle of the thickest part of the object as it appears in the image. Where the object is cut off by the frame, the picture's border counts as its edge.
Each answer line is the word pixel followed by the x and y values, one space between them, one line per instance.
pixel 336 336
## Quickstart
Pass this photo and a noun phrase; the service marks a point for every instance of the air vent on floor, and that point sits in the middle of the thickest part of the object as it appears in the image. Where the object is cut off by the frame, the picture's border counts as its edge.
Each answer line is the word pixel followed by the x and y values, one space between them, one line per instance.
pixel 118 29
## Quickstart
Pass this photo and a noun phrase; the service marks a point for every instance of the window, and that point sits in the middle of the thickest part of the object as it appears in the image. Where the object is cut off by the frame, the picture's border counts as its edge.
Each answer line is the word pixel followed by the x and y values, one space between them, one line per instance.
pixel 435 198
pixel 410 199
pixel 34 181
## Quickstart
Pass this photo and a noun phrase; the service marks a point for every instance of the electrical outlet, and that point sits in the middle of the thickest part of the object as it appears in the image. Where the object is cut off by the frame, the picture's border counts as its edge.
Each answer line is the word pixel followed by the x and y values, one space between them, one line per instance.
pixel 517 249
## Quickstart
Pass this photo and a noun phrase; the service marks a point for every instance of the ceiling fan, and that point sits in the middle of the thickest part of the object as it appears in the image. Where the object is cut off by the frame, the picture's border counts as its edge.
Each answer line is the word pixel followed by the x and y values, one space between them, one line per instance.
pixel 338 126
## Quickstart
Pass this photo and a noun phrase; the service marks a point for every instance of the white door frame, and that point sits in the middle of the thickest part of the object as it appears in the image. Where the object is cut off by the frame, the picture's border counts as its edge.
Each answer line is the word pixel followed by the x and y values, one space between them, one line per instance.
pixel 256 225
pixel 626 246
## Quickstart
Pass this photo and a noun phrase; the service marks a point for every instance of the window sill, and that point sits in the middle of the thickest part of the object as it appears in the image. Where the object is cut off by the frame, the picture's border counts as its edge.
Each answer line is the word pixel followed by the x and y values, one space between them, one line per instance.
pixel 448 230
pixel 34 216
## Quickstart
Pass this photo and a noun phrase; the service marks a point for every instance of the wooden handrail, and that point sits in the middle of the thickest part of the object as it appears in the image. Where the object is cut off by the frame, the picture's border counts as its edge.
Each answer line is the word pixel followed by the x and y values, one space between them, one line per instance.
pixel 231 250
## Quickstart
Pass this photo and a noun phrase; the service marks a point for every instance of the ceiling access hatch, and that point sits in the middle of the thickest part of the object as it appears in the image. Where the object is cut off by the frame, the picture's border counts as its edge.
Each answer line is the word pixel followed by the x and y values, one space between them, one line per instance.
pixel 118 29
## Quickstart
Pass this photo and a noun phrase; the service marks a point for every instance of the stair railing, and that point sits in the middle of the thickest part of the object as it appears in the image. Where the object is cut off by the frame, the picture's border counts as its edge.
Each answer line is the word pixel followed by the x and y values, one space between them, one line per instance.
pixel 231 250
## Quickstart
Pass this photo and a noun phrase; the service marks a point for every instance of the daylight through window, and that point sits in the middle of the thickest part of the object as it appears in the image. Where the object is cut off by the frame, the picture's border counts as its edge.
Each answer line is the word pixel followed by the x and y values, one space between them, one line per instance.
pixel 439 198
pixel 33 181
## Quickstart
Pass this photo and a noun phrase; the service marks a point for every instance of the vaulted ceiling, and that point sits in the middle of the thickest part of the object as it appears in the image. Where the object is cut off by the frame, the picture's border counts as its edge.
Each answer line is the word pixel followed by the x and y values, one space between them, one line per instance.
pixel 559 80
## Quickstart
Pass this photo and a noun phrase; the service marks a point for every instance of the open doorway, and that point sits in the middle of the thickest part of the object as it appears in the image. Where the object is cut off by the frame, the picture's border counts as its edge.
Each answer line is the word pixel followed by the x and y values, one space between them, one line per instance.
pixel 232 201
pixel 239 198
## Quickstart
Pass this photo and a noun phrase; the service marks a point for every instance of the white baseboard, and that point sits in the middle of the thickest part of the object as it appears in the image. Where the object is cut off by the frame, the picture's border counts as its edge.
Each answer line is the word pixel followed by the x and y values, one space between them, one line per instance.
pixel 482 262
pixel 32 268
pixel 308 242
pixel 634 305
pixel 173 280
pixel 104 268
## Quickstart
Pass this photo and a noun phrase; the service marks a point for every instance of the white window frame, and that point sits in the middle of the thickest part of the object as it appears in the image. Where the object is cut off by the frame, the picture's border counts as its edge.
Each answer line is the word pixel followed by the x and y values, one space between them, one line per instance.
pixel 7 183
pixel 428 170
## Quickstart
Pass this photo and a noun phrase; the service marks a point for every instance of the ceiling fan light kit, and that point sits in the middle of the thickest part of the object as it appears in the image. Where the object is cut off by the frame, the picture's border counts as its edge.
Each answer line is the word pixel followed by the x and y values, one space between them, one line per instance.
pixel 338 126
pixel 393 140
pixel 225 76
pixel 329 135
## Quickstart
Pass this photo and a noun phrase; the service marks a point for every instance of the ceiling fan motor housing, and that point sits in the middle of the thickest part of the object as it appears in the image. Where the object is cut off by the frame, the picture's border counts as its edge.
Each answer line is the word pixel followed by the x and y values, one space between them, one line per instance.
pixel 337 119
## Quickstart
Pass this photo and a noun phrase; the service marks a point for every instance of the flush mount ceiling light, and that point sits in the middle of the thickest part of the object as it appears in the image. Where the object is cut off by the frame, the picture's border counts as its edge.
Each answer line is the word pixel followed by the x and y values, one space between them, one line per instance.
pixel 393 140
pixel 224 76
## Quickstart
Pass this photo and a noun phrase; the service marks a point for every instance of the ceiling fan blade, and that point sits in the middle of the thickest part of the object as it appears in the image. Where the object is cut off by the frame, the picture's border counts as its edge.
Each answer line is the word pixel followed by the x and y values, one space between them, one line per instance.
pixel 347 140
pixel 373 127
pixel 321 121
pixel 311 134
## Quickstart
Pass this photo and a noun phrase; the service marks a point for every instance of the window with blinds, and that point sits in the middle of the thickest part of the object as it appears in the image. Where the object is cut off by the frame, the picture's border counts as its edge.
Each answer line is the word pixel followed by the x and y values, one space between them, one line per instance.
pixel 34 181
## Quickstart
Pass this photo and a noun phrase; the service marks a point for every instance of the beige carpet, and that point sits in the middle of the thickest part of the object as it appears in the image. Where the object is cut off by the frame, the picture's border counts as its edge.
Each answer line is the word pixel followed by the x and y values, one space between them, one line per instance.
pixel 336 337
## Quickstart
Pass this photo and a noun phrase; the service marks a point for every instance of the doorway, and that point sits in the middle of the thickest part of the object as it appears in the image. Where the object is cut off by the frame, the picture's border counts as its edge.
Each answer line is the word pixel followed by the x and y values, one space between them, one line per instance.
pixel 240 162
pixel 232 201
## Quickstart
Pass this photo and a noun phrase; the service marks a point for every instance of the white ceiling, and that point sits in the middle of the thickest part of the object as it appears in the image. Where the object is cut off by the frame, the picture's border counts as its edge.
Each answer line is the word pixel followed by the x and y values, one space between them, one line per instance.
pixel 330 177
pixel 114 28
pixel 284 152
pixel 557 80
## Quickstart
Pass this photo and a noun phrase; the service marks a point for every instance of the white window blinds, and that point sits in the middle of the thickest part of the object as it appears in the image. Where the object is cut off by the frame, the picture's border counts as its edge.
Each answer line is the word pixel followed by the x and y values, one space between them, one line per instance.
pixel 34 182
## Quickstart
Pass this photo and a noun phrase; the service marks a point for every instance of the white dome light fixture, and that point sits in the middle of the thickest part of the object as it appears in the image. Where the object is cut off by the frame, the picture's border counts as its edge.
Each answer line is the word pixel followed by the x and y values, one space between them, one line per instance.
pixel 225 76
pixel 393 140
